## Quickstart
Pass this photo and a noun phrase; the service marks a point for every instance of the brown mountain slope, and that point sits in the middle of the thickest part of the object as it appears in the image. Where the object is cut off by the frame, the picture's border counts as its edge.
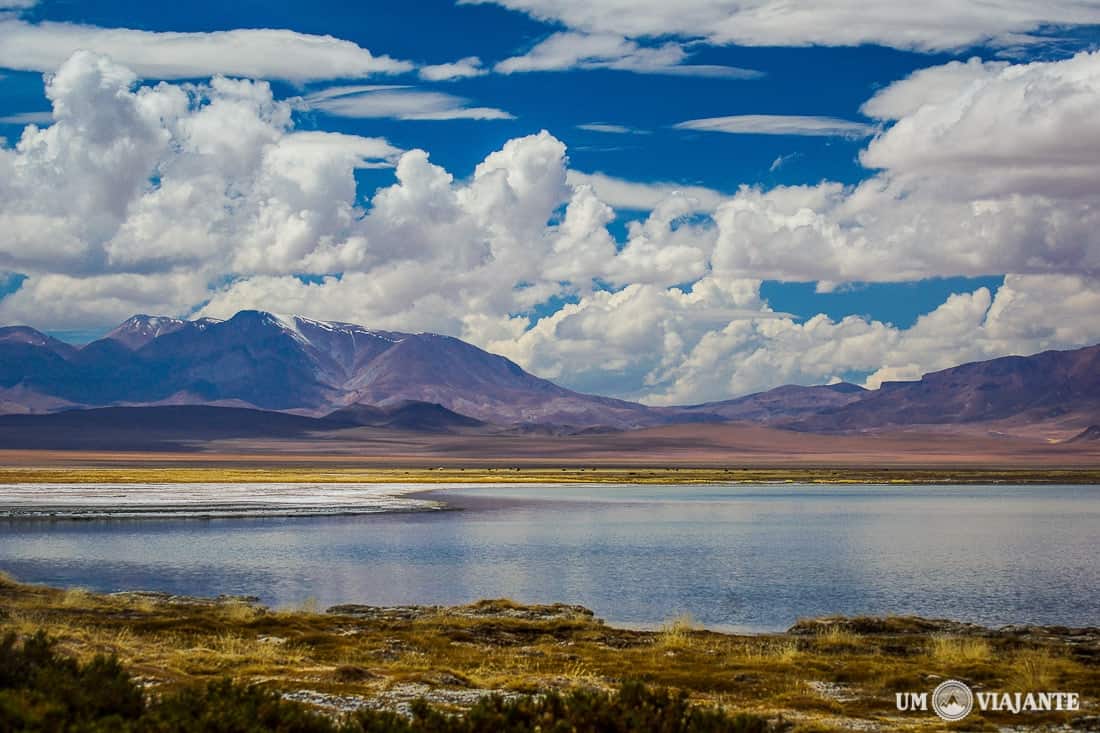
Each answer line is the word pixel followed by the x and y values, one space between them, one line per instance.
pixel 1048 386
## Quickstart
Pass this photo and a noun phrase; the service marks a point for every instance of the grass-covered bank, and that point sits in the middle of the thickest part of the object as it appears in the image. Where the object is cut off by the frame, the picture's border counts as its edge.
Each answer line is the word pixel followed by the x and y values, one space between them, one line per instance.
pixel 838 674
pixel 42 689
pixel 150 472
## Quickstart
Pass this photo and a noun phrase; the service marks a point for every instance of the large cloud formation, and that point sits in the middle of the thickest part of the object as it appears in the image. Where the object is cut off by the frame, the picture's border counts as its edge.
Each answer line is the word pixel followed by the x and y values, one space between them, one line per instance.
pixel 204 199
pixel 985 168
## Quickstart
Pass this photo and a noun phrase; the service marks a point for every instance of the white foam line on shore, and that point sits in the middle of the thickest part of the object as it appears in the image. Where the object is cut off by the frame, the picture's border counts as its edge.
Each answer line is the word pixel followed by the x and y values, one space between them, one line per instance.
pixel 207 499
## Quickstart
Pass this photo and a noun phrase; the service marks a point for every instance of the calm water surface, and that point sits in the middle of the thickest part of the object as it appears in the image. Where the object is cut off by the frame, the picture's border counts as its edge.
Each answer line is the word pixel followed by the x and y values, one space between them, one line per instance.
pixel 741 557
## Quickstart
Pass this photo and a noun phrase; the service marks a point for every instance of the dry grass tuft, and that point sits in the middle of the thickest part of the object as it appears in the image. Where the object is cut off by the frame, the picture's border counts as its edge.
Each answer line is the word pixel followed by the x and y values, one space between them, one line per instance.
pixel 239 612
pixel 77 598
pixel 1034 670
pixel 143 605
pixel 770 650
pixel 110 640
pixel 837 637
pixel 25 622
pixel 134 602
pixel 954 650
pixel 308 605
pixel 579 673
pixel 494 605
pixel 352 673
pixel 786 651
pixel 677 633
pixel 252 649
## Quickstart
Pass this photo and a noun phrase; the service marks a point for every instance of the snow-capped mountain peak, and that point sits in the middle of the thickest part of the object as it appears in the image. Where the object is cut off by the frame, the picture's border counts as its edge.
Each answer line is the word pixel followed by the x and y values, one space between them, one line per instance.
pixel 290 362
pixel 139 330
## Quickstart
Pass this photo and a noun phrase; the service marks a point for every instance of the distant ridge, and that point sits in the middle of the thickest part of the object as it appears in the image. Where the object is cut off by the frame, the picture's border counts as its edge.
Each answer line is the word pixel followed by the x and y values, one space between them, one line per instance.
pixel 782 404
pixel 185 427
pixel 150 428
pixel 1052 385
pixel 427 417
pixel 426 382
pixel 1088 435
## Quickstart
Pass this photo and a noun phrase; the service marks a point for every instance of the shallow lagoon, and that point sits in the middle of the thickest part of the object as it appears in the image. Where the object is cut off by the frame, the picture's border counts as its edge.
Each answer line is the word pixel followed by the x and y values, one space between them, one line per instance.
pixel 746 557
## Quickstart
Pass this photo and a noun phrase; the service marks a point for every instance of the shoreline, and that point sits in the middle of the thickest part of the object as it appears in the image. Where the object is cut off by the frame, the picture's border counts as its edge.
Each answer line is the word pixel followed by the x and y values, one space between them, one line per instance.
pixel 122 501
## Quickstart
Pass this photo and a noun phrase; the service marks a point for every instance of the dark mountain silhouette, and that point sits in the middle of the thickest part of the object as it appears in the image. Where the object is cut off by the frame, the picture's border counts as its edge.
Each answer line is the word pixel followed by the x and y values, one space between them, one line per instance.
pixel 149 428
pixel 425 417
pixel 1088 435
pixel 183 427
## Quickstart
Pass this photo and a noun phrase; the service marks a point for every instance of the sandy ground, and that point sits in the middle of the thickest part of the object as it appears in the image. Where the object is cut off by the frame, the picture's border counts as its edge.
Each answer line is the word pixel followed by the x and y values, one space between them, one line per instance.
pixel 674 446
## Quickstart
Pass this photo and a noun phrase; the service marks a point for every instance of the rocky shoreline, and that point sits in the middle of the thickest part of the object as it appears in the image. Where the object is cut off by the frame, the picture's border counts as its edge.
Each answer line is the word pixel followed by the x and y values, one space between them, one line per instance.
pixel 1083 637
pixel 826 674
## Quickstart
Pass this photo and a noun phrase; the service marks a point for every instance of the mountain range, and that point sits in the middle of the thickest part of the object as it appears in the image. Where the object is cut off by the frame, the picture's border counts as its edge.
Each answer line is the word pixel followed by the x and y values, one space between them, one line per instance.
pixel 342 374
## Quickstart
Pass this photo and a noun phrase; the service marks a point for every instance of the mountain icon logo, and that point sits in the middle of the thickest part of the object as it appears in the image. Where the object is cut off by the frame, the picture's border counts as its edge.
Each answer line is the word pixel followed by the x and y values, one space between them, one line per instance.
pixel 952 700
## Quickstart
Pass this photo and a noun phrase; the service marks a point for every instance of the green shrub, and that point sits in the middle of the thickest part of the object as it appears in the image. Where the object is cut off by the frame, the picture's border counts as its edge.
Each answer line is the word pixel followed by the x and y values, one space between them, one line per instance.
pixel 225 707
pixel 42 690
pixel 633 708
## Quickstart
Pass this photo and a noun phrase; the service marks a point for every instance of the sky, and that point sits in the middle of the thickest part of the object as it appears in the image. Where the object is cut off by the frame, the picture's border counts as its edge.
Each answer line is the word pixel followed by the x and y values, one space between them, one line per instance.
pixel 668 202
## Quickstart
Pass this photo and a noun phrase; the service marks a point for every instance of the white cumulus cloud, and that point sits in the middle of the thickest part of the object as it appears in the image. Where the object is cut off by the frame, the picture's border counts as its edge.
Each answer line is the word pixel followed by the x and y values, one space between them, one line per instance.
pixel 204 199
pixel 566 51
pixel 934 25
pixel 461 69
pixel 779 125
pixel 27 118
pixel 634 196
pixel 610 128
pixel 258 53
pixel 985 168
pixel 400 102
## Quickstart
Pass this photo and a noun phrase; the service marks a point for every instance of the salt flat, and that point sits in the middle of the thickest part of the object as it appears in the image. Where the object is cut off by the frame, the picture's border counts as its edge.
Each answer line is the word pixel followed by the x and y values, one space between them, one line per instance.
pixel 205 500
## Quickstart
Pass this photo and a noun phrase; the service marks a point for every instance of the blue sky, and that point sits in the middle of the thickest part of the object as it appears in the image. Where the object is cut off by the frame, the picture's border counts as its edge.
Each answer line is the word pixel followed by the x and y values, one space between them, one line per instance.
pixel 637 123
pixel 799 81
